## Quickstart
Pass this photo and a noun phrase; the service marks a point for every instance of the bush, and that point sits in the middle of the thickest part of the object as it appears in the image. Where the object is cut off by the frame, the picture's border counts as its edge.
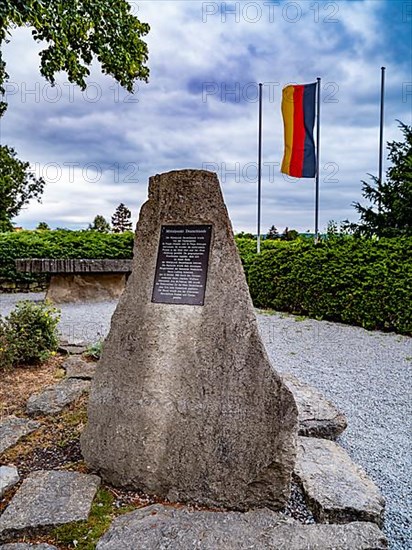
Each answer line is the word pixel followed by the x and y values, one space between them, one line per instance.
pixel 28 335
pixel 358 281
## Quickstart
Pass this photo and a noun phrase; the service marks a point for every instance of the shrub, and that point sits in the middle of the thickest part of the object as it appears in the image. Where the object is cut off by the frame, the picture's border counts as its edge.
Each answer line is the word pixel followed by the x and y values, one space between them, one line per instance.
pixel 358 281
pixel 6 355
pixel 28 335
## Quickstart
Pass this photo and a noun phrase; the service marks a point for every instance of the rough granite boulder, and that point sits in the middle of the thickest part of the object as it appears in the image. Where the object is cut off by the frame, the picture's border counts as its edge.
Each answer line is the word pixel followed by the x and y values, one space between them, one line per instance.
pixel 54 398
pixel 318 417
pixel 336 489
pixel 13 428
pixel 185 403
pixel 158 526
pixel 9 476
pixel 48 498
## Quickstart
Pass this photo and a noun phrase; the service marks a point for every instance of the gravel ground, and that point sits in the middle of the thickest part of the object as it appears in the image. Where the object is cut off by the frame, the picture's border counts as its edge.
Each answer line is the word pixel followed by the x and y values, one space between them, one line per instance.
pixel 78 323
pixel 367 375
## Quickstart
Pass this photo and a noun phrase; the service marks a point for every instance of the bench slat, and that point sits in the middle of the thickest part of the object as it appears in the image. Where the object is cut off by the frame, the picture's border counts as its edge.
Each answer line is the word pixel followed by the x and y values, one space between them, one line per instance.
pixel 37 265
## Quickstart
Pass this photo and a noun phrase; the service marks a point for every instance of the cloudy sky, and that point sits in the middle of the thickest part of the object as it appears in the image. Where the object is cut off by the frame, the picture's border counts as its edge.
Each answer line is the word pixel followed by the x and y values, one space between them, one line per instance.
pixel 97 148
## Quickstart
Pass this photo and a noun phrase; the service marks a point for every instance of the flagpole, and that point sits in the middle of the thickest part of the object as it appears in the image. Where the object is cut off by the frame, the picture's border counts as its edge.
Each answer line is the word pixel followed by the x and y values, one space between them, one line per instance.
pixel 381 135
pixel 259 169
pixel 317 164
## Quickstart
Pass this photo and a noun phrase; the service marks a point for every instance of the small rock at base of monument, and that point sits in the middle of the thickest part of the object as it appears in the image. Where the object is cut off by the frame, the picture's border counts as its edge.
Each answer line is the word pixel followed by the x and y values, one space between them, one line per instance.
pixel 318 417
pixel 13 428
pixel 336 489
pixel 74 348
pixel 25 546
pixel 54 398
pixel 185 403
pixel 76 367
pixel 48 498
pixel 9 476
pixel 159 526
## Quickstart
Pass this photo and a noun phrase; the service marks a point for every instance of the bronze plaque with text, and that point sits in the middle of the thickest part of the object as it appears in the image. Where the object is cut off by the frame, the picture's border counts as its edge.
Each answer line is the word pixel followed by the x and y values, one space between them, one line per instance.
pixel 182 264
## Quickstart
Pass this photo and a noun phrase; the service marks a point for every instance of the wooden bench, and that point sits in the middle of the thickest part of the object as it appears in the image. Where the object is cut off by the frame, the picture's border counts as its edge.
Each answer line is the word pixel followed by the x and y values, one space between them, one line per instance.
pixel 80 280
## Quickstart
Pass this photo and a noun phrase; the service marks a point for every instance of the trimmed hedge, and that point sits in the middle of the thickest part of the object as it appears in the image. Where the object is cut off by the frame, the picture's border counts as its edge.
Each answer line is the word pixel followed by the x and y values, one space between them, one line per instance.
pixel 362 282
pixel 59 244
pixel 356 281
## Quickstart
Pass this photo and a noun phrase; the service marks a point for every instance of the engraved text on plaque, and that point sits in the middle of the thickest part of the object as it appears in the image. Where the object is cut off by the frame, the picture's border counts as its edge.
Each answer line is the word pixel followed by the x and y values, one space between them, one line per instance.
pixel 182 264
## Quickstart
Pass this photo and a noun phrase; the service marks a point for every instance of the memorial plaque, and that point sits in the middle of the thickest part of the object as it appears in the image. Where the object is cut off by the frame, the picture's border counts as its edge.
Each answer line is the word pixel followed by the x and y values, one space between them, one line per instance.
pixel 182 263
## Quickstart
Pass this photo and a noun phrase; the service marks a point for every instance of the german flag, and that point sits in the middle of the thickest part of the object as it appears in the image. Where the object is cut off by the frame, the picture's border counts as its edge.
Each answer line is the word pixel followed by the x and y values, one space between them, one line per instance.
pixel 298 111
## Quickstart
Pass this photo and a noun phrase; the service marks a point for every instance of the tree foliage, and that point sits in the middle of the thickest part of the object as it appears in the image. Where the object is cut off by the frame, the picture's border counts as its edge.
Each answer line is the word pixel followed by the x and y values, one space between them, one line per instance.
pixel 43 226
pixel 18 185
pixel 121 219
pixel 289 234
pixel 100 224
pixel 76 32
pixel 273 233
pixel 390 213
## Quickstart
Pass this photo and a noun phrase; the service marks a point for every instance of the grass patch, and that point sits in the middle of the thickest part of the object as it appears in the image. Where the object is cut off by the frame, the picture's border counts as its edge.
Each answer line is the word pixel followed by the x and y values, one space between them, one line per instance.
pixel 85 534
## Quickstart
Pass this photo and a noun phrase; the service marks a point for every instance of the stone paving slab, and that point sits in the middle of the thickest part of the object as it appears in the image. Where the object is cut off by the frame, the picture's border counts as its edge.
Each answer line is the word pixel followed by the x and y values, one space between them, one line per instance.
pixel 48 498
pixel 24 546
pixel 72 348
pixel 13 428
pixel 318 417
pixel 76 367
pixel 159 526
pixel 54 398
pixel 9 476
pixel 335 488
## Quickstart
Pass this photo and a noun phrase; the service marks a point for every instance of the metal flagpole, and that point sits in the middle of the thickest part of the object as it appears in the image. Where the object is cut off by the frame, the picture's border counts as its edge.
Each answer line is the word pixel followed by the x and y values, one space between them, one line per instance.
pixel 259 169
pixel 317 164
pixel 381 134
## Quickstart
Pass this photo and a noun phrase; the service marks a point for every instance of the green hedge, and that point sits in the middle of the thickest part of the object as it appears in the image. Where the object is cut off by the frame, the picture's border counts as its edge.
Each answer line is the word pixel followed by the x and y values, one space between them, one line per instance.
pixel 357 281
pixel 59 244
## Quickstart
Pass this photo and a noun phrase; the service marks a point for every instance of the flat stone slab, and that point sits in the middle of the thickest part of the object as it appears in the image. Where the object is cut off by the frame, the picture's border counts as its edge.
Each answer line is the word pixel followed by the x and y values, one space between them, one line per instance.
pixel 336 489
pixel 76 367
pixel 54 398
pixel 24 546
pixel 158 526
pixel 76 348
pixel 9 476
pixel 318 417
pixel 48 498
pixel 13 428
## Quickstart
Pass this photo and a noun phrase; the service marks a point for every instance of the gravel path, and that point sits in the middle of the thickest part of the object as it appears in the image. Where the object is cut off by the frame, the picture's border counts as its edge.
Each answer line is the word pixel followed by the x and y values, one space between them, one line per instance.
pixel 367 375
pixel 78 323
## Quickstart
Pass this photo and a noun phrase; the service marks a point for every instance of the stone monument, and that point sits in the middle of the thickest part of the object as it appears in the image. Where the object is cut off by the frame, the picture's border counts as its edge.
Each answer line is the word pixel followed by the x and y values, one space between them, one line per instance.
pixel 185 403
